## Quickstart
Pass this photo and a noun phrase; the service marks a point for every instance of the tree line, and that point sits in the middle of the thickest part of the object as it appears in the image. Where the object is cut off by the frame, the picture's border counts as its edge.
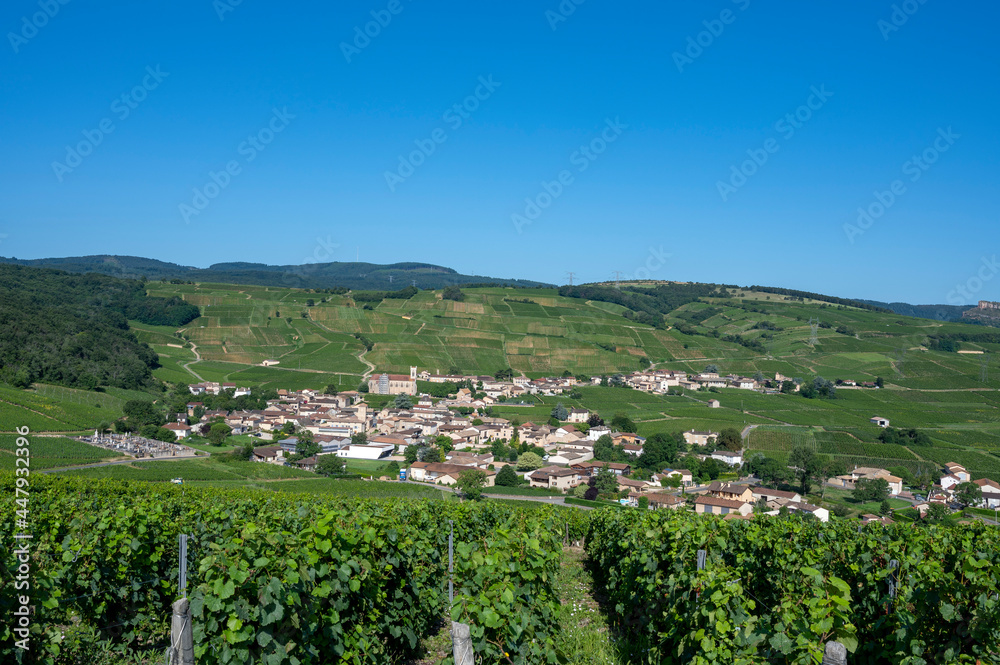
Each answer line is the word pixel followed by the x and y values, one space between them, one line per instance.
pixel 73 330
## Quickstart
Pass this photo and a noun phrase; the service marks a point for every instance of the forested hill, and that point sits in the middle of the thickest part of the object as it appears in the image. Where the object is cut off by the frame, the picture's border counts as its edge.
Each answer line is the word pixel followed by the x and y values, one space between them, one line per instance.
pixel 358 276
pixel 69 329
pixel 937 312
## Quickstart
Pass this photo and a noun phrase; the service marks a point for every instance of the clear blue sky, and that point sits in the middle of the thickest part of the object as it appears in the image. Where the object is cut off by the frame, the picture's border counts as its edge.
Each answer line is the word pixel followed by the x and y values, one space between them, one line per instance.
pixel 654 190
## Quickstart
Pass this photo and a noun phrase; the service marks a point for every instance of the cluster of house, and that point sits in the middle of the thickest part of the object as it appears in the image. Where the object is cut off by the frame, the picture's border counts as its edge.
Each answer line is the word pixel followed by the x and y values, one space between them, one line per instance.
pixel 493 389
pixel 740 500
pixel 214 388
pixel 955 474
pixel 651 381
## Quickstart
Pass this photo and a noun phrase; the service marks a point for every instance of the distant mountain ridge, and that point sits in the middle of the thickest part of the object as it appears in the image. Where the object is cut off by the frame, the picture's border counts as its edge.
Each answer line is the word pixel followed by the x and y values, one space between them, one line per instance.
pixel 937 312
pixel 358 276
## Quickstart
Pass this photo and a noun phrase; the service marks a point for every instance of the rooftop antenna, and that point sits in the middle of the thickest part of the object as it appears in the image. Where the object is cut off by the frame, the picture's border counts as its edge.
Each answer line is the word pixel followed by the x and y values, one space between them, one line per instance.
pixel 571 276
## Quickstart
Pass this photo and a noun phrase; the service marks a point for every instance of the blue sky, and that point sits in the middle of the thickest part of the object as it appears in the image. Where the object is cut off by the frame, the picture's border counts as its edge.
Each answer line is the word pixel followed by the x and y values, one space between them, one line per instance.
pixel 606 137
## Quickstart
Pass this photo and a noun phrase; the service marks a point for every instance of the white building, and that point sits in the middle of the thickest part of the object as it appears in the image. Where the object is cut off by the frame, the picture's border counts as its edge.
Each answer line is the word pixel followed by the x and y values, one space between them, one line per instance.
pixel 367 451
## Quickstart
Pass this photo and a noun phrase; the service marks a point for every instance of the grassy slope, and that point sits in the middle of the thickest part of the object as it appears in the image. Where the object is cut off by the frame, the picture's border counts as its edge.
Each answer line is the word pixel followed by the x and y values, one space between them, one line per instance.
pixel 939 392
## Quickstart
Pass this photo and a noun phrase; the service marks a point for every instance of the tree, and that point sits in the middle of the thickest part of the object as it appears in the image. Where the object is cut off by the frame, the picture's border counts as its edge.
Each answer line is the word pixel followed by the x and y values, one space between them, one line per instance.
pixel 391 469
pixel 730 439
pixel 595 420
pixel 884 508
pixel 604 448
pixel 331 390
pixel 411 453
pixel 506 374
pixel 761 506
pixel 363 387
pixel 445 443
pixel 359 439
pixel 402 402
pixel 643 503
pixel 305 445
pixel 937 512
pixel 711 369
pixel 529 462
pixel 330 465
pixel 871 489
pixel 769 470
pixel 623 423
pixel 218 433
pixel 605 481
pixel 432 455
pixel 590 494
pixel 580 491
pixel 560 412
pixel 499 449
pixel 969 494
pixel 806 463
pixel 879 382
pixel 452 293
pixel 840 510
pixel 660 449
pixel 243 453
pixel 471 483
pixel 507 477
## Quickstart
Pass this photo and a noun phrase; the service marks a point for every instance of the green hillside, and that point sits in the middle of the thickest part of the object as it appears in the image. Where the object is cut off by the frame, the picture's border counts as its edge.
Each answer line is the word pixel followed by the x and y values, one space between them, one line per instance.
pixel 538 332
pixel 929 385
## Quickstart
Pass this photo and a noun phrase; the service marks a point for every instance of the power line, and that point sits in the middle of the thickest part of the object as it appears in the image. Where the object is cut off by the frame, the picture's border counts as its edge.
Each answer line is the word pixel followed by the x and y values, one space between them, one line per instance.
pixel 571 276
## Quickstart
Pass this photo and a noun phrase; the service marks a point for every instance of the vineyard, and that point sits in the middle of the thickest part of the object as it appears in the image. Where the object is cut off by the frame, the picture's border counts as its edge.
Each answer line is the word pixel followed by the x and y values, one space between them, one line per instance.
pixel 280 579
pixel 777 590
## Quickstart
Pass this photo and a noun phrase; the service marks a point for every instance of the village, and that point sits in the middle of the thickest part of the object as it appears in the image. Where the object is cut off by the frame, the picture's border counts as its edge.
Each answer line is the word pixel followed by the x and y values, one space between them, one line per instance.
pixel 434 440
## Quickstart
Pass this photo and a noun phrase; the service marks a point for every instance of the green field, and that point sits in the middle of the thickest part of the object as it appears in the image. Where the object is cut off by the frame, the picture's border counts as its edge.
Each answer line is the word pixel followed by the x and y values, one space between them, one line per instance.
pixel 953 397
pixel 51 453
pixel 209 469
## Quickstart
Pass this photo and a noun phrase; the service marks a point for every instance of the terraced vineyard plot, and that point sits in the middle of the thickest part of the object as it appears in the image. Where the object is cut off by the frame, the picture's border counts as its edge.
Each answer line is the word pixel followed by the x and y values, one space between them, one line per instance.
pixel 841 443
pixel 976 463
pixel 198 469
pixel 55 409
pixel 773 439
pixel 51 452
